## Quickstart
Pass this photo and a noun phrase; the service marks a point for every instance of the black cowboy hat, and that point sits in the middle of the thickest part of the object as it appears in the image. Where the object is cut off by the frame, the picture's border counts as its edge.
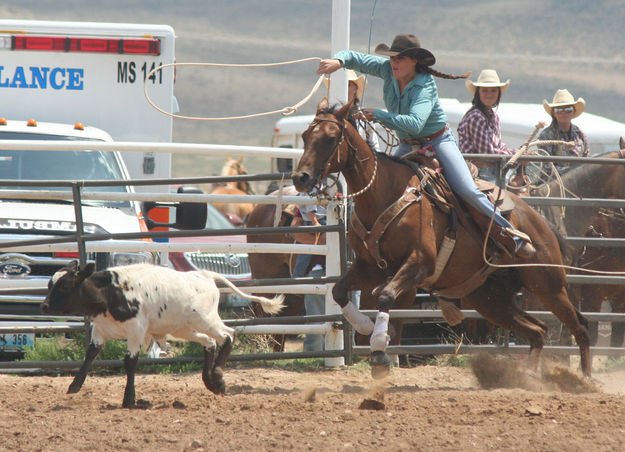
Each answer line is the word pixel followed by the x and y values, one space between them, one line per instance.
pixel 407 45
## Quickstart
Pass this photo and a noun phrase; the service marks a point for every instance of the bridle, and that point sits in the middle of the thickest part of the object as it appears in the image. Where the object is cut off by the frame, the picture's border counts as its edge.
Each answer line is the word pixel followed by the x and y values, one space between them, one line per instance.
pixel 321 191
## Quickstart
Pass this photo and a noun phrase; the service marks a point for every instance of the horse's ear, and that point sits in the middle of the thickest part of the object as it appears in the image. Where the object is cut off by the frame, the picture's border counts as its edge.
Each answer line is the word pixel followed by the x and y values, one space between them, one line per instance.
pixel 228 158
pixel 240 159
pixel 621 143
pixel 344 111
pixel 323 105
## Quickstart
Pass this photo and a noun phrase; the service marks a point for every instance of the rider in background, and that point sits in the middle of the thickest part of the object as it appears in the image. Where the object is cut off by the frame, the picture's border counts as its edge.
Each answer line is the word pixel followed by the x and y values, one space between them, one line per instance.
pixel 479 130
pixel 355 90
pixel 312 266
pixel 414 113
pixel 562 110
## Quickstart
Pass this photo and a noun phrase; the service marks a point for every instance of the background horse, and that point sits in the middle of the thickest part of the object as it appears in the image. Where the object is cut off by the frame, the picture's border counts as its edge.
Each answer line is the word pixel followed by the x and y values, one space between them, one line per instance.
pixel 268 266
pixel 592 181
pixel 234 167
pixel 609 223
pixel 405 255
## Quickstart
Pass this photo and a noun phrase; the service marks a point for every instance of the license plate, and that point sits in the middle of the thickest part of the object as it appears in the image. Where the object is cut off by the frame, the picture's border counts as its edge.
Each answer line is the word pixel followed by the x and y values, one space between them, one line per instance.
pixel 16 341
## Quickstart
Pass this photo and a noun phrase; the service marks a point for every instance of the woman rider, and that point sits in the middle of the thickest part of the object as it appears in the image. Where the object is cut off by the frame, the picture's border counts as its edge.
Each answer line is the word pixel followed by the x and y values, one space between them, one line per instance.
pixel 414 112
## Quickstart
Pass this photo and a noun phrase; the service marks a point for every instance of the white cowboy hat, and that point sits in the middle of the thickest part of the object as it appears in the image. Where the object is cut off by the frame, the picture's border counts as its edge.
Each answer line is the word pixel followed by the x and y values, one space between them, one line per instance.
pixel 487 78
pixel 352 77
pixel 562 98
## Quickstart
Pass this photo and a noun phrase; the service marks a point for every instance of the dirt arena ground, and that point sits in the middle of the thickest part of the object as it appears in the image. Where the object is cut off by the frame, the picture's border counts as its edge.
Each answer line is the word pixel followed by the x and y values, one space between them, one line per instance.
pixel 491 405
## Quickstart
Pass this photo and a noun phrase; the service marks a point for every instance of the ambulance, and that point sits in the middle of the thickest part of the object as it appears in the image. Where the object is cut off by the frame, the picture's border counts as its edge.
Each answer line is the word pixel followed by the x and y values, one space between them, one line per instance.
pixel 93 74
pixel 67 81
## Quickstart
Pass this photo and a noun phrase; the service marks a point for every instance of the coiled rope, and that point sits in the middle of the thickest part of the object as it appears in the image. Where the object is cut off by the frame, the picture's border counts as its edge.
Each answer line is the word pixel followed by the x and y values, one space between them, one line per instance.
pixel 286 111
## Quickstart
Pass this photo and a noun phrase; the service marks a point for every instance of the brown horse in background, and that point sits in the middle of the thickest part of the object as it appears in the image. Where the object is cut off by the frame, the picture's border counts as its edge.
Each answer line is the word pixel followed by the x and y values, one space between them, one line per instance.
pixel 608 223
pixel 234 167
pixel 409 247
pixel 269 266
pixel 592 181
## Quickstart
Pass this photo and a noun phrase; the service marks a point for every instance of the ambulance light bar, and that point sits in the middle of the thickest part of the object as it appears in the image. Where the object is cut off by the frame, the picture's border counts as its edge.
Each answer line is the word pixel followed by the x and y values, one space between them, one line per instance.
pixel 135 46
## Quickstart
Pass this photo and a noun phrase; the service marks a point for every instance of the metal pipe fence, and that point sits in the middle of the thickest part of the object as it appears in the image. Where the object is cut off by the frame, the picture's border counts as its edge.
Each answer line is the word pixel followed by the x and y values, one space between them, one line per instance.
pixel 336 322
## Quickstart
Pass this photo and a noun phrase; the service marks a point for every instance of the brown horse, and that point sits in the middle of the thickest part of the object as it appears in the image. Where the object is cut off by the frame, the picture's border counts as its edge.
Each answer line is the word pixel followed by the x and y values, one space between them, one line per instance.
pixel 593 181
pixel 405 256
pixel 608 223
pixel 234 167
pixel 268 266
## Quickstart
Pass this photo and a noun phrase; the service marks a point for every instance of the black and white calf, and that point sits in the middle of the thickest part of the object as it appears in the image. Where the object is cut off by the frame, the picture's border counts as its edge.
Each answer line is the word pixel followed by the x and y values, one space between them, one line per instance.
pixel 145 302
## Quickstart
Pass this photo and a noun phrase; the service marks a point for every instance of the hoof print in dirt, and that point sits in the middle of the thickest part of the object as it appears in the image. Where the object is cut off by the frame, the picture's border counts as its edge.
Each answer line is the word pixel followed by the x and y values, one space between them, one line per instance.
pixel 179 405
pixel 310 394
pixel 371 404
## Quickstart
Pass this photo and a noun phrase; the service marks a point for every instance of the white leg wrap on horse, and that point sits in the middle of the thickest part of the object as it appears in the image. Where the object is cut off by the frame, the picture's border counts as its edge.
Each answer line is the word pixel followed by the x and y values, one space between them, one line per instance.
pixel 357 319
pixel 379 339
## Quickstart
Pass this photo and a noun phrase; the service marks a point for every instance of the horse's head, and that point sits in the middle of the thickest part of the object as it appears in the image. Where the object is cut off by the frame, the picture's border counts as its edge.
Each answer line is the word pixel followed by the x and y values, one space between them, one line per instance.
pixel 233 167
pixel 323 150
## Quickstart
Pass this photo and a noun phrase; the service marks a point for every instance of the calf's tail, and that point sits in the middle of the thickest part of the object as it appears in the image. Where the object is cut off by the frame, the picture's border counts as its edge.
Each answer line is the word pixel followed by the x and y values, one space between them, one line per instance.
pixel 270 306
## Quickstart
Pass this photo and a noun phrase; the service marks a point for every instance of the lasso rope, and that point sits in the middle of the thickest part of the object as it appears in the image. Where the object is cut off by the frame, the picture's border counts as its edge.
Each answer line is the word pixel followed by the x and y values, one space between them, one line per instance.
pixel 286 111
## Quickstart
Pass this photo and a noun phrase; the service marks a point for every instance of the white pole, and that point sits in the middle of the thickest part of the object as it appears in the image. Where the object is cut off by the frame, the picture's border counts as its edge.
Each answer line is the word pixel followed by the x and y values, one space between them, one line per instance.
pixel 338 93
pixel 339 41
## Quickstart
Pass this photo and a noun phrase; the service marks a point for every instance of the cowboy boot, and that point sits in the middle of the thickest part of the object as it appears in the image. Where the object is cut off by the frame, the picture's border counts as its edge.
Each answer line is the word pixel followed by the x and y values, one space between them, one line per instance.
pixel 524 248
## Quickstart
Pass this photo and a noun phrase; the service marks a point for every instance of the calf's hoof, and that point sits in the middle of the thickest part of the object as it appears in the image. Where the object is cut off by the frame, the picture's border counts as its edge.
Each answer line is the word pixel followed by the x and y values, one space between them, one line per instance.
pixel 218 387
pixel 73 388
pixel 216 383
pixel 380 364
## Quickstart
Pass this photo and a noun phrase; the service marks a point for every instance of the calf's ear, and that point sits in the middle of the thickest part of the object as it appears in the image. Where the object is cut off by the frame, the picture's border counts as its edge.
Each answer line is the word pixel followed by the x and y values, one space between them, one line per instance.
pixel 87 271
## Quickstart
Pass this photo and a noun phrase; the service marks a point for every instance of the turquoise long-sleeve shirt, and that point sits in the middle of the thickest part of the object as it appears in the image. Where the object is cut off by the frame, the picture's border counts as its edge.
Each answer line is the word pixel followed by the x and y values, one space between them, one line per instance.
pixel 415 113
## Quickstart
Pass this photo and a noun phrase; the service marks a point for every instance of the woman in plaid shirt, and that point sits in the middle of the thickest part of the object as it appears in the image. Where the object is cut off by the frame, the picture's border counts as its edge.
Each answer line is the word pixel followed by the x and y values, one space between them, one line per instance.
pixel 415 114
pixel 479 131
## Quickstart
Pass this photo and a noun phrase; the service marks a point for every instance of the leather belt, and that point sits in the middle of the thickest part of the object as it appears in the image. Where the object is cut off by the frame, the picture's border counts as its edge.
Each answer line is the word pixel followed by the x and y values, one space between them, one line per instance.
pixel 423 140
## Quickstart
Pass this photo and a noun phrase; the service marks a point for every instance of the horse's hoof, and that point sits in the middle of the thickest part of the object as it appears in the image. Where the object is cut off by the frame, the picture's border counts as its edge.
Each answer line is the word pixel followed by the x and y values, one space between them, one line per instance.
pixel 380 364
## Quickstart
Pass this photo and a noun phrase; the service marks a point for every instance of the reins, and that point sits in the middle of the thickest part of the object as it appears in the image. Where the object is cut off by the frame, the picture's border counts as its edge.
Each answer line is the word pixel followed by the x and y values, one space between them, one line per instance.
pixel 286 111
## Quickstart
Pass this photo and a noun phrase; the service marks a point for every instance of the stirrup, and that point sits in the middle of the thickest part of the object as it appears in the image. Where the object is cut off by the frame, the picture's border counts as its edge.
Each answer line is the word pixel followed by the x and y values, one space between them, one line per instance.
pixel 516 233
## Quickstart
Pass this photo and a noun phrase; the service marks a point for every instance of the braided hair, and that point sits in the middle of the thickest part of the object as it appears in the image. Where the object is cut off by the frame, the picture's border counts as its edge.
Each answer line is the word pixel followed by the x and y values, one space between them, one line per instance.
pixel 428 70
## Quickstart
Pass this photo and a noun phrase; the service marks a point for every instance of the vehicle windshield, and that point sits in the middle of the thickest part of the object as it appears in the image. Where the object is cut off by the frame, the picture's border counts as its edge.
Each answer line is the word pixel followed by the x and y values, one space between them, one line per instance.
pixel 61 165
pixel 215 219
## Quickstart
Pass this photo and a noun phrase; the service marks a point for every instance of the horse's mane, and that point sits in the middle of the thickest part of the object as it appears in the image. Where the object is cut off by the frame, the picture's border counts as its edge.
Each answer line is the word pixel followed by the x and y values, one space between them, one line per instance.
pixel 333 109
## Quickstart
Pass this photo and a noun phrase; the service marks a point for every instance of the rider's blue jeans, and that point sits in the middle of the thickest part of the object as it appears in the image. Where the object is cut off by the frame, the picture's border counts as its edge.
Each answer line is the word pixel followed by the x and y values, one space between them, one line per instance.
pixel 459 177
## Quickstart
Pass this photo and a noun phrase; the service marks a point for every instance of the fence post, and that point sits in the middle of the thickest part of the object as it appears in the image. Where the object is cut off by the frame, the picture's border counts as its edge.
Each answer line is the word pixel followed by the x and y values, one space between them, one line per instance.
pixel 82 251
pixel 80 230
pixel 333 341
